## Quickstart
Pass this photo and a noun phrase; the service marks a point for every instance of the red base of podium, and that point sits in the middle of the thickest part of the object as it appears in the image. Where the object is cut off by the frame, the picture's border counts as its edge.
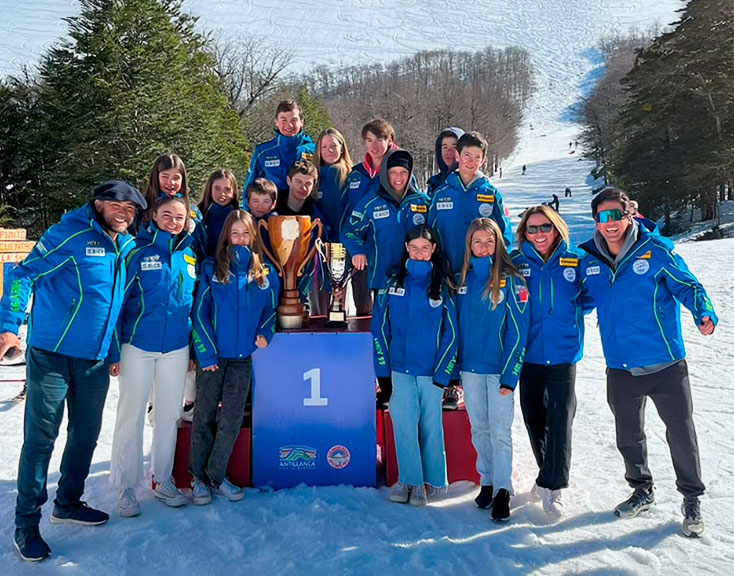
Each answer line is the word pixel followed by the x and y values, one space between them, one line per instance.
pixel 238 467
pixel 460 454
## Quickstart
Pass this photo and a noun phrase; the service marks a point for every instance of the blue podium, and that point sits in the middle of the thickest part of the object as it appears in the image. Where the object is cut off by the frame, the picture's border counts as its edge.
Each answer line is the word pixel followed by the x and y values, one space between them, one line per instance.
pixel 313 410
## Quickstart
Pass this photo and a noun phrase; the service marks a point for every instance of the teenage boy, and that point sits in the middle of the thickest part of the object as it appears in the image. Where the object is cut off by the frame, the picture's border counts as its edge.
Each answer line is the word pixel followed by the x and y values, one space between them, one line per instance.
pixel 272 159
pixel 630 267
pixel 466 195
pixel 76 272
pixel 445 157
pixel 261 195
pixel 375 232
pixel 379 137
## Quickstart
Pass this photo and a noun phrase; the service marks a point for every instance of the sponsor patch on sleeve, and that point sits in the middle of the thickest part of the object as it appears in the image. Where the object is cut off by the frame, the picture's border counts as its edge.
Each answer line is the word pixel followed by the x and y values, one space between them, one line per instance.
pixel 418 208
pixel 190 259
pixel 569 261
pixel 485 197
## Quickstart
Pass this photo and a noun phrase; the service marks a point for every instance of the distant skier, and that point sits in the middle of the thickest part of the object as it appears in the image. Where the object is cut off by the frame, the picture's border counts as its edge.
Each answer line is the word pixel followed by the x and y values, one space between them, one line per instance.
pixel 523 169
pixel 567 193
pixel 555 203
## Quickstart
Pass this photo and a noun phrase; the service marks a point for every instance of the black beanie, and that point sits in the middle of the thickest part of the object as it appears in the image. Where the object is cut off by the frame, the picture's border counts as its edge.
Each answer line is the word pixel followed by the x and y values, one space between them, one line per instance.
pixel 400 158
pixel 120 191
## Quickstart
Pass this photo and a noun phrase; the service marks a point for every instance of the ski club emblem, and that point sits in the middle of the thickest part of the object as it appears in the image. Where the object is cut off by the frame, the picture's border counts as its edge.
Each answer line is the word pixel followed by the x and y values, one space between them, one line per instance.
pixel 338 457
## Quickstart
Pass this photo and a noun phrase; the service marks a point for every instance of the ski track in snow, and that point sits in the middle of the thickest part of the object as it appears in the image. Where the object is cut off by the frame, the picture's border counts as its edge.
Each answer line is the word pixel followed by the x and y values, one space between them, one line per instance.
pixel 345 530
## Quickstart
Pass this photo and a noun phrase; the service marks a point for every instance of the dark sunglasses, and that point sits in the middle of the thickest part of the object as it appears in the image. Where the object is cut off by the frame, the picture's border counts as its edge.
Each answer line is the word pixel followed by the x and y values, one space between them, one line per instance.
pixel 533 229
pixel 609 215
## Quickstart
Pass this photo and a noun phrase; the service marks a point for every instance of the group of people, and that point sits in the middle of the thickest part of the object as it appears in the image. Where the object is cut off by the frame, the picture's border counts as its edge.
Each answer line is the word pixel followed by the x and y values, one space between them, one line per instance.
pixel 192 293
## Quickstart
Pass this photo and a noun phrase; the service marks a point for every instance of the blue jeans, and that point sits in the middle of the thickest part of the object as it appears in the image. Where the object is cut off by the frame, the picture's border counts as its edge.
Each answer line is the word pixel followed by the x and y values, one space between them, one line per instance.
pixel 491 416
pixel 52 380
pixel 415 409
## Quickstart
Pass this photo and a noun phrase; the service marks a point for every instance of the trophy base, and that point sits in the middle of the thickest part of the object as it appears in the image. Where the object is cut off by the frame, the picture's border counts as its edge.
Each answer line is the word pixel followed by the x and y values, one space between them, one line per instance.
pixel 290 322
pixel 336 318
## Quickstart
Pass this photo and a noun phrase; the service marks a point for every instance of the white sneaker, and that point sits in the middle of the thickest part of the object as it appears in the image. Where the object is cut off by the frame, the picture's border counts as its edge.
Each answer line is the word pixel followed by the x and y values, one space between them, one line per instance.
pixel 535 493
pixel 399 492
pixel 201 492
pixel 127 503
pixel 187 414
pixel 229 491
pixel 418 495
pixel 167 493
pixel 552 503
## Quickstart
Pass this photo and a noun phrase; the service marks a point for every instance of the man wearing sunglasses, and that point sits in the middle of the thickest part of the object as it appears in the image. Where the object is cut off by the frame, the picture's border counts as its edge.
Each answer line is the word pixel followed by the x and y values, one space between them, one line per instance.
pixel 631 267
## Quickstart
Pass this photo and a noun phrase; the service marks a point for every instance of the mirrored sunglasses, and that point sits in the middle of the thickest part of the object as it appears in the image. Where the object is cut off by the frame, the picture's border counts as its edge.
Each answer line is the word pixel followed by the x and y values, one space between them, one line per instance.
pixel 533 229
pixel 609 215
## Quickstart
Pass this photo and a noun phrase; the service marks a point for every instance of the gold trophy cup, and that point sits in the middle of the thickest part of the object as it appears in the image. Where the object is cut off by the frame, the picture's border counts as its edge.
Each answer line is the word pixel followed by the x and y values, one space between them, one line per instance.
pixel 337 264
pixel 290 237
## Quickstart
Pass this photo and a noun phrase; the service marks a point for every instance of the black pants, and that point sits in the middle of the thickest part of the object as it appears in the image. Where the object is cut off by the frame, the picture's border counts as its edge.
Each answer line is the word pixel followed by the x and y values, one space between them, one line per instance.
pixel 212 441
pixel 670 391
pixel 361 293
pixel 548 403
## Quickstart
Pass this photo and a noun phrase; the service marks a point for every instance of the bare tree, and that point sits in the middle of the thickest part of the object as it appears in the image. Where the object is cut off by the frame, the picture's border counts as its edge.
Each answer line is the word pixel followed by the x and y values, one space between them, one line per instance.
pixel 251 70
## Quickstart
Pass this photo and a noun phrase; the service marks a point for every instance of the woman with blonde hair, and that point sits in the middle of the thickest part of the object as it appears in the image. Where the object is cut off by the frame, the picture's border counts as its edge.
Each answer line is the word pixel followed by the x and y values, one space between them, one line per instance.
pixel 550 267
pixel 492 304
pixel 332 158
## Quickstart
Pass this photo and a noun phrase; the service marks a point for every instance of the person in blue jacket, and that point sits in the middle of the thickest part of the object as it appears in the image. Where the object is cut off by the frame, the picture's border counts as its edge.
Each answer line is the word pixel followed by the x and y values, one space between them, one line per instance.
pixel 167 177
pixel 550 266
pixel 153 332
pixel 272 159
pixel 76 272
pixel 492 302
pixel 379 137
pixel 220 197
pixel 629 267
pixel 466 195
pixel 376 228
pixel 415 342
pixel 446 144
pixel 334 162
pixel 234 315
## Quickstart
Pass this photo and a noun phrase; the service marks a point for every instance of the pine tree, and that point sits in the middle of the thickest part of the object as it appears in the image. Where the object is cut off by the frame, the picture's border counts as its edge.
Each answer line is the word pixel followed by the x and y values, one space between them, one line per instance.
pixel 133 80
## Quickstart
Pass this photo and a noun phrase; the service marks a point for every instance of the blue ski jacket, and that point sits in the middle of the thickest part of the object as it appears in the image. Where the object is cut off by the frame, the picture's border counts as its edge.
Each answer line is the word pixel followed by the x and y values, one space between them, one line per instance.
pixel 328 198
pixel 272 159
pixel 159 292
pixel 377 228
pixel 358 184
pixel 228 317
pixel 556 334
pixel 454 206
pixel 411 333
pixel 638 303
pixel 213 223
pixel 492 341
pixel 77 276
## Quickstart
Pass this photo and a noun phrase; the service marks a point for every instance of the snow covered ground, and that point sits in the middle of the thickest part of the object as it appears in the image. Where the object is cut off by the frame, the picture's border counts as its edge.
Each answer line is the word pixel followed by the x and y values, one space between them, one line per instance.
pixel 344 530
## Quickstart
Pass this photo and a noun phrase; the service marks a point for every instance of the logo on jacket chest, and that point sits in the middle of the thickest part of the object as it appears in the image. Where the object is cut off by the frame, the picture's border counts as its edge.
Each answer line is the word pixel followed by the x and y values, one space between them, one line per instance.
pixel 485 210
pixel 380 212
pixel 151 263
pixel 396 291
pixel 272 162
pixel 640 267
pixel 96 251
pixel 593 271
pixel 569 274
pixel 445 204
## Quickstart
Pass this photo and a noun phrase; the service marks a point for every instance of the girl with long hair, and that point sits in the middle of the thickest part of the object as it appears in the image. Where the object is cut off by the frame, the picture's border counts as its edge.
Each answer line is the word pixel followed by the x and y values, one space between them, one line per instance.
pixel 153 329
pixel 414 334
pixel 334 162
pixel 492 304
pixel 234 315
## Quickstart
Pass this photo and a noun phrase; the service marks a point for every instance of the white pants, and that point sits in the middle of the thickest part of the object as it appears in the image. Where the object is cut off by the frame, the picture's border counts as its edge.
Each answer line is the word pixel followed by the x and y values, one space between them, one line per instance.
pixel 139 371
pixel 491 415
